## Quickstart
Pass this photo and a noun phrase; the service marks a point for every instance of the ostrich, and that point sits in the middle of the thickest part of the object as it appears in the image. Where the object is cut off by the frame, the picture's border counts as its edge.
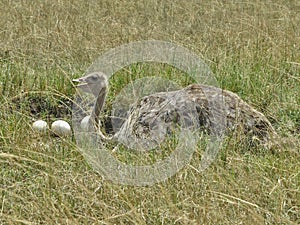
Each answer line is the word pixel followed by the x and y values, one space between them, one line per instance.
pixel 195 106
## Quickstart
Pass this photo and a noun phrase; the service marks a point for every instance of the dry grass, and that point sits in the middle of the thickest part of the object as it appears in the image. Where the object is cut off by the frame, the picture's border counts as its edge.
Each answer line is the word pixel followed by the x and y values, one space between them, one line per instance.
pixel 253 47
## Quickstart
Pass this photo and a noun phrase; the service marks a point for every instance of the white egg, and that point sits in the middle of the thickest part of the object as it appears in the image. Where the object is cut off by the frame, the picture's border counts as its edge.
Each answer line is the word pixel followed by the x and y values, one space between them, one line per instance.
pixel 85 123
pixel 40 126
pixel 61 128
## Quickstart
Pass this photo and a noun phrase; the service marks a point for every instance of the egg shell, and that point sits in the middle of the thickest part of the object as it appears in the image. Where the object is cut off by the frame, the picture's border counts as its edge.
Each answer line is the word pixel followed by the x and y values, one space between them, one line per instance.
pixel 61 128
pixel 40 126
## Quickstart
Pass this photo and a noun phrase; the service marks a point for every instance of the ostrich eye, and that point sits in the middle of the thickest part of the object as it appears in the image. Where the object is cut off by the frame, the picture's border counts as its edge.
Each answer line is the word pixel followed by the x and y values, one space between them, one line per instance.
pixel 93 78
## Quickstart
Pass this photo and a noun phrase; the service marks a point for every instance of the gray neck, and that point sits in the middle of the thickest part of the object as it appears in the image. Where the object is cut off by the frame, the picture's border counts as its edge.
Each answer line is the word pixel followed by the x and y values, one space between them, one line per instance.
pixel 94 119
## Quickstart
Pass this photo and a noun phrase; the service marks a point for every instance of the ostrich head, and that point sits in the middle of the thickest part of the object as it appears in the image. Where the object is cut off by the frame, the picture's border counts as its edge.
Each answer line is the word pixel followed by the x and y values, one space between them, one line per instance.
pixel 93 83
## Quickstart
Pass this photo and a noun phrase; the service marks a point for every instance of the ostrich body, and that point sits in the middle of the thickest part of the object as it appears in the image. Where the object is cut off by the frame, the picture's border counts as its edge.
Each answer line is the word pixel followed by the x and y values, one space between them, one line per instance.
pixel 195 106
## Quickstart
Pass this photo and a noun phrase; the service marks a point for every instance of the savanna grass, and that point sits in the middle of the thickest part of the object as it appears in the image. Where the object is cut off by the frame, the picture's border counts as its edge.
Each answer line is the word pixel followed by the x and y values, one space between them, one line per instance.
pixel 251 46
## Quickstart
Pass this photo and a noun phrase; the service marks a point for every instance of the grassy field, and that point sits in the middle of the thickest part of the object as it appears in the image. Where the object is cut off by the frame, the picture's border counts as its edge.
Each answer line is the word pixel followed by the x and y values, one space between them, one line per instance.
pixel 253 48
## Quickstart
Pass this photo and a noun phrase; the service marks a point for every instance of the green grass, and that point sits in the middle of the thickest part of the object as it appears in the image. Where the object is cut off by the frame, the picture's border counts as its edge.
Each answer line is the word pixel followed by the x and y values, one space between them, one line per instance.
pixel 251 46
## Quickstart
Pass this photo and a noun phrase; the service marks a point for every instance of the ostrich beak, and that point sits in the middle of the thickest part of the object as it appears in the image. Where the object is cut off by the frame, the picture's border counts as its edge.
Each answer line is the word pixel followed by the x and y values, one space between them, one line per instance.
pixel 80 81
pixel 82 85
pixel 76 80
pixel 85 85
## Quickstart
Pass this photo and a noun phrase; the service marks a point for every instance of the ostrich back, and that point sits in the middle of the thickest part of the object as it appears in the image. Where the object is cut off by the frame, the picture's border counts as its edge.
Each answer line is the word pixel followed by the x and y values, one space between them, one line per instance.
pixel 207 108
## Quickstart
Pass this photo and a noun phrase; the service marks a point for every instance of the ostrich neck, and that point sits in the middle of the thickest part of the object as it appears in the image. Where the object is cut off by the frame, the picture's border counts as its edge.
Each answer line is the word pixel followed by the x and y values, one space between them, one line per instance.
pixel 94 119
